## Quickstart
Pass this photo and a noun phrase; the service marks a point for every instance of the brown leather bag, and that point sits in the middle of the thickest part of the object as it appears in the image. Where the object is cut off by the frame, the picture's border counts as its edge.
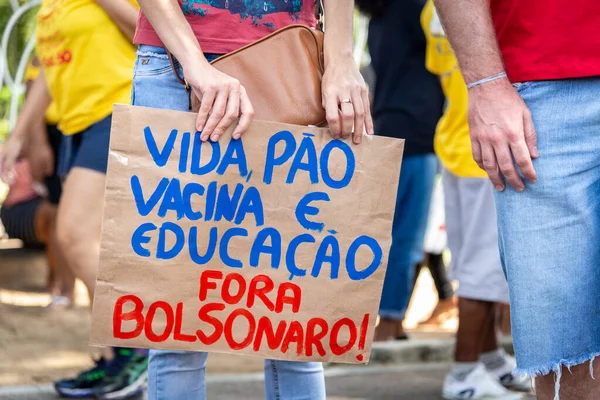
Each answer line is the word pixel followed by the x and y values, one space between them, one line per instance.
pixel 281 73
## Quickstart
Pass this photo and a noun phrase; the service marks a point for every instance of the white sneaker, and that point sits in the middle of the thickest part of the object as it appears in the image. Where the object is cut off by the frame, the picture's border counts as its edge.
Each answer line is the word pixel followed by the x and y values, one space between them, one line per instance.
pixel 478 385
pixel 510 380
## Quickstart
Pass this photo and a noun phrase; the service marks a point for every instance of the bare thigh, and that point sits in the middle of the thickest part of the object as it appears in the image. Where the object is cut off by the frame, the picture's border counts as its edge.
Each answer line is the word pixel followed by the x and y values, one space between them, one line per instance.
pixel 79 223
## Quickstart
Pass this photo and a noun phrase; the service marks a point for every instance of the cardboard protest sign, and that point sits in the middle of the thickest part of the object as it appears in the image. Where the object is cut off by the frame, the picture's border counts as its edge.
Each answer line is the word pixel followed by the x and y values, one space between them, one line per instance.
pixel 274 245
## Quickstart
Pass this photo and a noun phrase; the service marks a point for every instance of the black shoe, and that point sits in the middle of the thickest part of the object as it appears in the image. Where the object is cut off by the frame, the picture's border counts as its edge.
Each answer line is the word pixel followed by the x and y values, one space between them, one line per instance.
pixel 125 382
pixel 84 384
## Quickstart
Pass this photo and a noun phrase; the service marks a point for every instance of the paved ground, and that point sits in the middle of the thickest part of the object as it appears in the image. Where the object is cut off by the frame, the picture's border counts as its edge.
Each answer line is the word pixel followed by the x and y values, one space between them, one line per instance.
pixel 383 382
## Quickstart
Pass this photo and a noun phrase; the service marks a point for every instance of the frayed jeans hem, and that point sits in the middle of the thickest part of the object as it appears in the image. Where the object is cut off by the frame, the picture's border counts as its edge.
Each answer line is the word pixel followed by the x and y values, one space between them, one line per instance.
pixel 556 368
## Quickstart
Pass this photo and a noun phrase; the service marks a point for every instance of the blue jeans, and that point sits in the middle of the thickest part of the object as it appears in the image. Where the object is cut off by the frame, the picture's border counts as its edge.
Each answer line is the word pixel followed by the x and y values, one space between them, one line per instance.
pixel 180 375
pixel 549 234
pixel 408 232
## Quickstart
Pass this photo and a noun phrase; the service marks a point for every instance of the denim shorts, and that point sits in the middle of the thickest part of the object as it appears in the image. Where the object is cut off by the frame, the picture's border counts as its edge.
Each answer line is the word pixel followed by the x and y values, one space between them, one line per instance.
pixel 154 83
pixel 549 234
pixel 179 374
pixel 86 149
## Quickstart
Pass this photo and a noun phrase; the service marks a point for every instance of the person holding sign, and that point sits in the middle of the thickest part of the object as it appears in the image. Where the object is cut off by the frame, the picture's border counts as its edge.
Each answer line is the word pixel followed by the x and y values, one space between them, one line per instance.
pixel 86 54
pixel 196 32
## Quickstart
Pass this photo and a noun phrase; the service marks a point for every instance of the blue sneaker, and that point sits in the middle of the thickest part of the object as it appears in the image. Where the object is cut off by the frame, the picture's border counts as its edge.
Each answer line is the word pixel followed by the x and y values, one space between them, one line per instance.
pixel 84 385
pixel 127 381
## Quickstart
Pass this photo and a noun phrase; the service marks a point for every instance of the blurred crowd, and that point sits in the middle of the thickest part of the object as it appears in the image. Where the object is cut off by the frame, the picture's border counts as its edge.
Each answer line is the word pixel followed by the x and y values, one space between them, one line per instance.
pixel 54 163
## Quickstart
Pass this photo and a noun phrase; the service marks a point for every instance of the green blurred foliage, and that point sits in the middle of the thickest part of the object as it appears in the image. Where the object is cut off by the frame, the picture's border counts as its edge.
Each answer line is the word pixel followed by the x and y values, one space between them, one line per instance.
pixel 16 44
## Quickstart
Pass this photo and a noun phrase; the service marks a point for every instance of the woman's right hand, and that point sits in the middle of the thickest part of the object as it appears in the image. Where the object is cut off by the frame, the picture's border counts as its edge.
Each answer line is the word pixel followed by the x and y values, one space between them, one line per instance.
pixel 222 100
pixel 8 158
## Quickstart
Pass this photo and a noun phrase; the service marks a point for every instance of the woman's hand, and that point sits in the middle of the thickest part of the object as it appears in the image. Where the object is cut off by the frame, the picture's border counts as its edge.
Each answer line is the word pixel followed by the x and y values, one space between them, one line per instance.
pixel 222 100
pixel 346 100
pixel 8 158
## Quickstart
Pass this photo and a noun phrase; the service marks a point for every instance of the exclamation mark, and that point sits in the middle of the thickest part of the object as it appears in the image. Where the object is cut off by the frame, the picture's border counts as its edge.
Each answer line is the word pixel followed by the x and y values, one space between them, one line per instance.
pixel 364 326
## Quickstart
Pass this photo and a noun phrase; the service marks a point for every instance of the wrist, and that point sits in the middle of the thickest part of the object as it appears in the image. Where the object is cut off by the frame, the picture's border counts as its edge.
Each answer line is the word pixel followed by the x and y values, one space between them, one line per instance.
pixel 493 85
pixel 193 60
pixel 487 80
pixel 337 57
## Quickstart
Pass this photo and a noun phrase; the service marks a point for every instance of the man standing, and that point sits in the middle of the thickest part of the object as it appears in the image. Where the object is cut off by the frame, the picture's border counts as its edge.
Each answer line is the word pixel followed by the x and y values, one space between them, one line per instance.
pixel 481 366
pixel 535 64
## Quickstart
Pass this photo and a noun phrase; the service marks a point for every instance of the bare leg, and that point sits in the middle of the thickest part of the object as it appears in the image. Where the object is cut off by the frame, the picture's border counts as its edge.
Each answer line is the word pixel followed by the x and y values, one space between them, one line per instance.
pixel 386 330
pixel 64 276
pixel 438 271
pixel 445 308
pixel 79 223
pixel 473 316
pixel 575 385
pixel 61 280
pixel 504 319
pixel 44 222
pixel 489 341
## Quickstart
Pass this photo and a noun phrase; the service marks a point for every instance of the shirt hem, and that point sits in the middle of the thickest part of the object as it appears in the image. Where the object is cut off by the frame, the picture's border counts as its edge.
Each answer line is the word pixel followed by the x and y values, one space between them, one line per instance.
pixel 516 77
pixel 208 44
pixel 460 172
pixel 74 129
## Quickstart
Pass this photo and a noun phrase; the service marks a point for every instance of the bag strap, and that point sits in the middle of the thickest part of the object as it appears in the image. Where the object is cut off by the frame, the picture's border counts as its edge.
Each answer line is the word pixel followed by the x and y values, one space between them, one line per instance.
pixel 319 12
pixel 180 79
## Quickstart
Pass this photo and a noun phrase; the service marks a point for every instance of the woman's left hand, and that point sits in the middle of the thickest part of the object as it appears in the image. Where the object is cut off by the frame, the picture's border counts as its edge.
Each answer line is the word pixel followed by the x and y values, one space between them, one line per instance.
pixel 346 100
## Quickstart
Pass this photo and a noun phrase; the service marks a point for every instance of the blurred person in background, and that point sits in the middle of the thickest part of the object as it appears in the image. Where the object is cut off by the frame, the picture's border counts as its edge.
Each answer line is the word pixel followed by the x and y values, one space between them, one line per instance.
pixel 28 214
pixel 436 240
pixel 482 369
pixel 86 54
pixel 445 309
pixel 29 210
pixel 408 103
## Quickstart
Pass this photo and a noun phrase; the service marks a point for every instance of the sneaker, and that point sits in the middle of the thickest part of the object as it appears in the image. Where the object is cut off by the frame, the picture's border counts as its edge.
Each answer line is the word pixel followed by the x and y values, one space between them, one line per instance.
pixel 478 385
pixel 508 379
pixel 128 382
pixel 84 384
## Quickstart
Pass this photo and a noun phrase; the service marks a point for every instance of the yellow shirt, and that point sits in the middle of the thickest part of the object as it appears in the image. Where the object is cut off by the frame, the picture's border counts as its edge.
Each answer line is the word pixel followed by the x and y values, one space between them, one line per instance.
pixel 52 116
pixel 452 143
pixel 88 62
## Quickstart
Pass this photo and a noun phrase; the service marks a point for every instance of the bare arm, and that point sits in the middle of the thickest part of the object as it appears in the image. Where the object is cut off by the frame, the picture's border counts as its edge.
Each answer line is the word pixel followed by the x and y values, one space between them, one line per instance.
pixel 472 36
pixel 222 97
pixel 38 152
pixel 500 123
pixel 123 13
pixel 31 117
pixel 345 94
pixel 34 109
pixel 175 32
